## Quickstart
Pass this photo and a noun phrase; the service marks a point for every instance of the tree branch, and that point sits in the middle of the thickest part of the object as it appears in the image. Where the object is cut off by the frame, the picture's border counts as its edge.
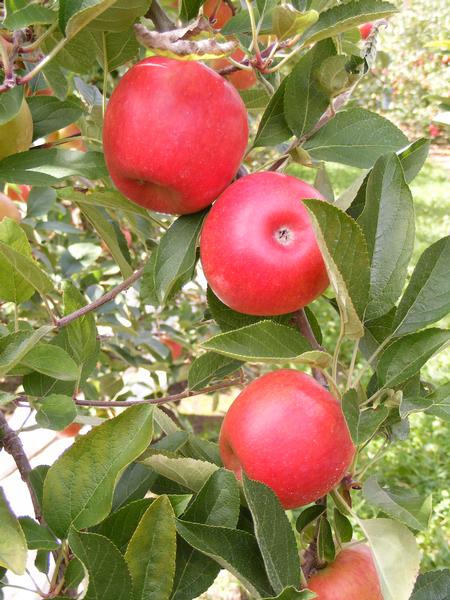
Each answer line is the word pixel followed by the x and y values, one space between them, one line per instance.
pixel 102 300
pixel 159 17
pixel 13 446
pixel 301 320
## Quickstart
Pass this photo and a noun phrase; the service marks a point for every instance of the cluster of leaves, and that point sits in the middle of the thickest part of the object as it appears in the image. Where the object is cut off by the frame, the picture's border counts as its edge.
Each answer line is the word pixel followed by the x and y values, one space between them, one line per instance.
pixel 94 513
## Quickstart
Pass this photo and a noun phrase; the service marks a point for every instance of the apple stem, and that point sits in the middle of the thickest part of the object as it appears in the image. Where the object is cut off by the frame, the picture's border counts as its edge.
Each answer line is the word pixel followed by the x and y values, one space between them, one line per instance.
pixel 301 320
pixel 160 19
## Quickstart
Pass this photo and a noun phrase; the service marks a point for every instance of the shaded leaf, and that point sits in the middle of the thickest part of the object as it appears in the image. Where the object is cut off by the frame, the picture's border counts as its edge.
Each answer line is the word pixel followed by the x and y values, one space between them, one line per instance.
pixel 56 412
pixel 13 545
pixel 434 585
pixel 273 128
pixel 50 114
pixel 37 536
pixel 210 366
pixel 188 472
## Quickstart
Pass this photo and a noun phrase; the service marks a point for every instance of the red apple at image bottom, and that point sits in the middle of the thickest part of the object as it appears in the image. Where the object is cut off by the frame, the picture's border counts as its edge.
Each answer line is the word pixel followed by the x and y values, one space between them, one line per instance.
pixel 287 431
pixel 351 576
pixel 258 247
pixel 174 136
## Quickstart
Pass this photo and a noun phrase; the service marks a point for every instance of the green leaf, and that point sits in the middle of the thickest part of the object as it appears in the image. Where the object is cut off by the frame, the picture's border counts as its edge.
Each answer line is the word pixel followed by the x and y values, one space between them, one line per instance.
pixel 74 15
pixel 76 491
pixel 255 100
pixel 309 515
pixel 40 202
pixel 109 576
pixel 116 49
pixel 10 103
pixel 37 477
pixel 345 16
pixel 427 297
pixel 21 17
pixel 151 552
pixel 434 585
pixel 273 128
pixel 37 536
pixel 228 319
pixel 13 545
pixel 274 534
pixel 189 9
pixel 342 527
pixel 266 341
pixel 77 55
pixel 19 345
pixel 108 234
pixel 210 366
pixel 50 114
pixel 362 425
pixel 404 505
pixel 49 166
pixel 326 550
pixel 405 357
pixel 293 594
pixel 436 403
pixel 396 556
pixel 120 525
pixel 80 335
pixel 234 550
pixel 288 22
pixel 355 137
pixel 345 253
pixel 388 224
pixel 176 255
pixel 120 16
pixel 109 199
pixel 56 412
pixel 217 504
pixel 413 158
pixel 188 472
pixel 133 484
pixel 13 287
pixel 305 100
pixel 52 361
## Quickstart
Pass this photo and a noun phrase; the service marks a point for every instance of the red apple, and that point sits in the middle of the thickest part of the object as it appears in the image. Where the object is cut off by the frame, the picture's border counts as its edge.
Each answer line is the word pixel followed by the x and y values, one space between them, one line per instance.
pixel 434 130
pixel 365 30
pixel 8 208
pixel 71 430
pixel 71 130
pixel 241 79
pixel 352 576
pixel 175 349
pixel 218 9
pixel 18 192
pixel 288 432
pixel 175 133
pixel 258 248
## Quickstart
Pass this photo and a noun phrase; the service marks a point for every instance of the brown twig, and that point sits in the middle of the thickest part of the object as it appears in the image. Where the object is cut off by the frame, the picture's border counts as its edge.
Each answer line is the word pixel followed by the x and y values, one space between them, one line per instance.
pixel 159 17
pixel 102 300
pixel 13 446
pixel 301 320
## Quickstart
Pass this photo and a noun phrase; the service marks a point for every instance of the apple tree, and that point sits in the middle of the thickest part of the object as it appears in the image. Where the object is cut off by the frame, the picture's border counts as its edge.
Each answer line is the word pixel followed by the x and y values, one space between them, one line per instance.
pixel 156 249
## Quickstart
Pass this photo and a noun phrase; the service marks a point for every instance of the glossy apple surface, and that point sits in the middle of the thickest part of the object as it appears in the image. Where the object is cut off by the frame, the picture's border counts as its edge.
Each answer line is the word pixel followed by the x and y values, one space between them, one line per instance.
pixel 16 134
pixel 288 432
pixel 8 208
pixel 174 136
pixel 220 10
pixel 242 79
pixel 352 576
pixel 258 248
pixel 365 30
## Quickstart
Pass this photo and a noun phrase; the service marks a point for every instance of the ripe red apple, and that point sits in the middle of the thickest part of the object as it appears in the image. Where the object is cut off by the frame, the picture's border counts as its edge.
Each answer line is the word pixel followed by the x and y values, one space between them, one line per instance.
pixel 288 432
pixel 220 10
pixel 8 208
pixel 434 130
pixel 71 430
pixel 352 576
pixel 365 30
pixel 18 192
pixel 175 349
pixel 241 79
pixel 258 248
pixel 175 133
